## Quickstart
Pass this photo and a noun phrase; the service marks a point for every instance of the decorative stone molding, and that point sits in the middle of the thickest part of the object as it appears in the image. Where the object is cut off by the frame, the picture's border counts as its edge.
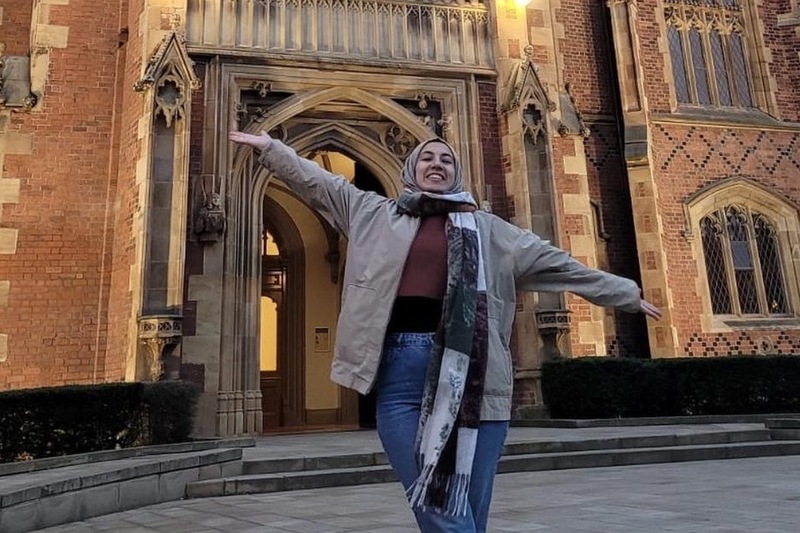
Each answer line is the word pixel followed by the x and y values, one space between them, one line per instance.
pixel 553 326
pixel 533 123
pixel 735 189
pixel 170 97
pixel 454 34
pixel 399 141
pixel 572 122
pixel 15 82
pixel 526 88
pixel 160 335
pixel 209 223
pixel 172 68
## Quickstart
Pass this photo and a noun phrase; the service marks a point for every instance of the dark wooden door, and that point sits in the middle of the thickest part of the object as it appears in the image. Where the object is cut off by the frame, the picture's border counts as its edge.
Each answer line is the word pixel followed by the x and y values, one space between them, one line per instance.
pixel 273 381
pixel 271 400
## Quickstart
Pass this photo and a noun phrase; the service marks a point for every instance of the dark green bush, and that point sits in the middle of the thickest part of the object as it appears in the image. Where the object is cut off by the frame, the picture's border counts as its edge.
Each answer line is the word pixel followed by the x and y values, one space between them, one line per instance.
pixel 600 387
pixel 53 421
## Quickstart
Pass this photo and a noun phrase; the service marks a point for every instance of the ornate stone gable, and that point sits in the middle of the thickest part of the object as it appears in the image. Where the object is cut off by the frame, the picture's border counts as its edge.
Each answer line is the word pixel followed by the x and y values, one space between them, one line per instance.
pixel 170 72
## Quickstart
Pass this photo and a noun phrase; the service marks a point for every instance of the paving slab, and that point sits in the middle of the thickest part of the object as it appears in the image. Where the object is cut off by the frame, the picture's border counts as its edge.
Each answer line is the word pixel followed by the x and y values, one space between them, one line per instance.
pixel 732 496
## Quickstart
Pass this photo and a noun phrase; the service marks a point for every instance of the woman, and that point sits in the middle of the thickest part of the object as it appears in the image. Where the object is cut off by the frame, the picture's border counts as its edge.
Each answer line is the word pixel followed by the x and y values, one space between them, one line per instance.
pixel 427 309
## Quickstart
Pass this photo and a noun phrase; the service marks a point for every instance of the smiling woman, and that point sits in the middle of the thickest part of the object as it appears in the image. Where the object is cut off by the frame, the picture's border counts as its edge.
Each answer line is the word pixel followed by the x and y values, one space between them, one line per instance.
pixel 428 303
pixel 435 171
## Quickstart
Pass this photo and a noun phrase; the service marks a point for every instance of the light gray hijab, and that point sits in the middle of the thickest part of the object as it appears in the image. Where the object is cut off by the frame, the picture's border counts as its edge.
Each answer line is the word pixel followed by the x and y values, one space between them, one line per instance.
pixel 409 175
pixel 410 200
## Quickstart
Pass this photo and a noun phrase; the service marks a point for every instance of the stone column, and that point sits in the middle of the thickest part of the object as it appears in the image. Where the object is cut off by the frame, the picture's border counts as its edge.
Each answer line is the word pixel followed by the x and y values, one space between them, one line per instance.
pixel 644 189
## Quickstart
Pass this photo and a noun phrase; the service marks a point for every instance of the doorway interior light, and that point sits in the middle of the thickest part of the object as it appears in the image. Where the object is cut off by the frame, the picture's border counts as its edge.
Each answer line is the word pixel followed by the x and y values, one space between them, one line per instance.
pixel 522 3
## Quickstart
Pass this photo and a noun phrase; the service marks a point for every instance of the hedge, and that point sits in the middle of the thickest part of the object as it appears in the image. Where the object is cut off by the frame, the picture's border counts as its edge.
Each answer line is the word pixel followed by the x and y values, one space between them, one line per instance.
pixel 46 422
pixel 600 387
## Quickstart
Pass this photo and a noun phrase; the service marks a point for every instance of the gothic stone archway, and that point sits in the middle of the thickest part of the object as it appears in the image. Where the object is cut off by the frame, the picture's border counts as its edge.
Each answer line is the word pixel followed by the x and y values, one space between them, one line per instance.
pixel 375 131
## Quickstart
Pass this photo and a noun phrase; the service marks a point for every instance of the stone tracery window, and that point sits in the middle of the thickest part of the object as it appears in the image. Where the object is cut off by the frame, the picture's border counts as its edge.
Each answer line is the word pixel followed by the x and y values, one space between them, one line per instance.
pixel 743 263
pixel 708 45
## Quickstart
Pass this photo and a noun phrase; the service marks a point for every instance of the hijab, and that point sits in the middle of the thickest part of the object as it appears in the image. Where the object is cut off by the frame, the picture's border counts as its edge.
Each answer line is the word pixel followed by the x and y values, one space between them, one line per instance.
pixel 417 202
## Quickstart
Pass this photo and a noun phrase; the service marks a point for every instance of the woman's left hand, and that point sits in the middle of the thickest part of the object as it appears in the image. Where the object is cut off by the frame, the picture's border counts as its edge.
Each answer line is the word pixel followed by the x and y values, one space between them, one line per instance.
pixel 650 310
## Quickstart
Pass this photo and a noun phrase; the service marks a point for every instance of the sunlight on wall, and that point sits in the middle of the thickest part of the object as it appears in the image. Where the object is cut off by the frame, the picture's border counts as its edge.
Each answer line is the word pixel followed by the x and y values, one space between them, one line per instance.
pixel 336 163
pixel 268 245
pixel 269 334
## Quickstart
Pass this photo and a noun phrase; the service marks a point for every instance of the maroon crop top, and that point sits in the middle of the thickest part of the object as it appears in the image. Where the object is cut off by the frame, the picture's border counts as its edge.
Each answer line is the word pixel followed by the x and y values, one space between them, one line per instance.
pixel 418 306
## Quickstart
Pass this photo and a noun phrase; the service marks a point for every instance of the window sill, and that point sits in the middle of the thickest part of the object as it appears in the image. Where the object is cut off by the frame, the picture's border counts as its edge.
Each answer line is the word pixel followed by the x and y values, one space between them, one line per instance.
pixel 743 118
pixel 754 324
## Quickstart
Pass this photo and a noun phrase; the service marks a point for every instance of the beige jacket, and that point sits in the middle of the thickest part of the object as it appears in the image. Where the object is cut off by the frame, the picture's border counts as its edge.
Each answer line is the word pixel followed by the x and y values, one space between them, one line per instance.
pixel 379 238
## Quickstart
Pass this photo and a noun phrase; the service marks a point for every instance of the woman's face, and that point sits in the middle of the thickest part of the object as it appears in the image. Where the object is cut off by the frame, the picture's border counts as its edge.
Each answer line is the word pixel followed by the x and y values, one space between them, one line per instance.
pixel 436 168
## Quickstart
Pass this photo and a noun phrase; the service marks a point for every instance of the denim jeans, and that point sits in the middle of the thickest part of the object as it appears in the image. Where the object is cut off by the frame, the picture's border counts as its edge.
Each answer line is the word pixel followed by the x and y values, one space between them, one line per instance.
pixel 401 381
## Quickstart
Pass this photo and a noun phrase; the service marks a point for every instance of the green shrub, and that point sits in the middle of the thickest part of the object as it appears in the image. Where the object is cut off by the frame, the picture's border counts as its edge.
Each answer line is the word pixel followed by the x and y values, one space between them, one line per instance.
pixel 599 387
pixel 53 421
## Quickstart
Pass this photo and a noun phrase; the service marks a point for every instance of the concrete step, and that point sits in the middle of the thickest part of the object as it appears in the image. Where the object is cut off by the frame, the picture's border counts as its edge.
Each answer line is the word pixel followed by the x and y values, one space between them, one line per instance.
pixel 786 428
pixel 640 456
pixel 363 475
pixel 48 497
pixel 303 464
pixel 783 423
pixel 285 481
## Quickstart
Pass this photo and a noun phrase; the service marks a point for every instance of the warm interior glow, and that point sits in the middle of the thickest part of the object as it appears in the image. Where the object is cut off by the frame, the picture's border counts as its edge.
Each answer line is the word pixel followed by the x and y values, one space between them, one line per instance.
pixel 268 245
pixel 269 335
pixel 336 163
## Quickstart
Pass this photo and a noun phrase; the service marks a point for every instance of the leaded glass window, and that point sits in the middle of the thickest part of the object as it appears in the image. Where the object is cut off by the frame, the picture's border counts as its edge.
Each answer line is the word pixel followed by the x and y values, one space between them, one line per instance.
pixel 708 49
pixel 743 263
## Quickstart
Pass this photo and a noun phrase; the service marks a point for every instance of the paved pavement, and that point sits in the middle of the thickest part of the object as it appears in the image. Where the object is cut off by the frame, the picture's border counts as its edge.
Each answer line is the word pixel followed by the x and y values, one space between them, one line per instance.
pixel 743 495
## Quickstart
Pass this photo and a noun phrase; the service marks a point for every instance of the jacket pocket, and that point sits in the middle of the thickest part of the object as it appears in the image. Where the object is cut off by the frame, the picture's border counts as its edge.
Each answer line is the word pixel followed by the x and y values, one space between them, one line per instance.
pixel 359 324
pixel 499 371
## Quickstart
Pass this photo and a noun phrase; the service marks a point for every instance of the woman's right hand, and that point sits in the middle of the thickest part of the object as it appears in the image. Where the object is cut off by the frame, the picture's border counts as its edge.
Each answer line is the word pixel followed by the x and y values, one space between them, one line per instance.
pixel 259 142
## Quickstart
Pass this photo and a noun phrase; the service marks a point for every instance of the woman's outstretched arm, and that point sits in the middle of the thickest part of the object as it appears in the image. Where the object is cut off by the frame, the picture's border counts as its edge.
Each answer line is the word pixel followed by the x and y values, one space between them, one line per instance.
pixel 332 196
pixel 539 266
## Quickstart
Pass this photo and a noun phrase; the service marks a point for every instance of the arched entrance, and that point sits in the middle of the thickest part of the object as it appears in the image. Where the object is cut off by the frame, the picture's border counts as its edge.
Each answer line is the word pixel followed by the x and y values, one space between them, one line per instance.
pixel 302 260
pixel 281 319
pixel 277 346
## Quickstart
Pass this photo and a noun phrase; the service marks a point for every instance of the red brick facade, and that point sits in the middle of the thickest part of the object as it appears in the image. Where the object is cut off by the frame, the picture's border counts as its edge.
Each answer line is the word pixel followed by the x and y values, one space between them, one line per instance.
pixel 59 276
pixel 492 152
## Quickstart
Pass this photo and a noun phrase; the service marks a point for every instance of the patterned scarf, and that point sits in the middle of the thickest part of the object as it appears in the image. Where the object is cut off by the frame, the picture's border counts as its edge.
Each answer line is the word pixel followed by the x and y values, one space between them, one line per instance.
pixel 451 404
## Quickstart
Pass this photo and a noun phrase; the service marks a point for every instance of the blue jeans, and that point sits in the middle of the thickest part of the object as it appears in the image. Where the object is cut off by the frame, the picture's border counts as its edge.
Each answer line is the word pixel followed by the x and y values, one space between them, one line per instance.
pixel 401 381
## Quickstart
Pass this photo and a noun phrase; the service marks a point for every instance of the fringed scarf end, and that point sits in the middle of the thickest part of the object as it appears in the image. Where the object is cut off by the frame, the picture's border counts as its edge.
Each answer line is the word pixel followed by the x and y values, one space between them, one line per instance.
pixel 455 490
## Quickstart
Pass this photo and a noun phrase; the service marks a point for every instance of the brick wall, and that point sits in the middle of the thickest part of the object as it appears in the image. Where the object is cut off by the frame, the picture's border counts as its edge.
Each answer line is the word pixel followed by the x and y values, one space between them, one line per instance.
pixel 127 199
pixel 687 158
pixel 586 55
pixel 784 45
pixel 58 273
pixel 609 189
pixel 492 150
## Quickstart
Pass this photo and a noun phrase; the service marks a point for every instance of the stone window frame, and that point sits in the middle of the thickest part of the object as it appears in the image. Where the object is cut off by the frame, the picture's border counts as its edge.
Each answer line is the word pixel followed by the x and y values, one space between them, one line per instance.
pixel 761 84
pixel 781 212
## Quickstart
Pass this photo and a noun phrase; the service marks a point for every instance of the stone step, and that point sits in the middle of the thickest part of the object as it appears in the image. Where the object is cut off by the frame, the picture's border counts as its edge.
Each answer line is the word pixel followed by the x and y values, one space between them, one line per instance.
pixel 783 423
pixel 285 481
pixel 48 497
pixel 301 464
pixel 640 456
pixel 363 475
pixel 784 428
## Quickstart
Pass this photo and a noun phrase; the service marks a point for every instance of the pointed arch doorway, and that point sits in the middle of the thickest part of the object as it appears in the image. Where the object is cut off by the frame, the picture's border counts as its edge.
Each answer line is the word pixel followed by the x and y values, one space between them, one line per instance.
pixel 300 295
pixel 375 127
